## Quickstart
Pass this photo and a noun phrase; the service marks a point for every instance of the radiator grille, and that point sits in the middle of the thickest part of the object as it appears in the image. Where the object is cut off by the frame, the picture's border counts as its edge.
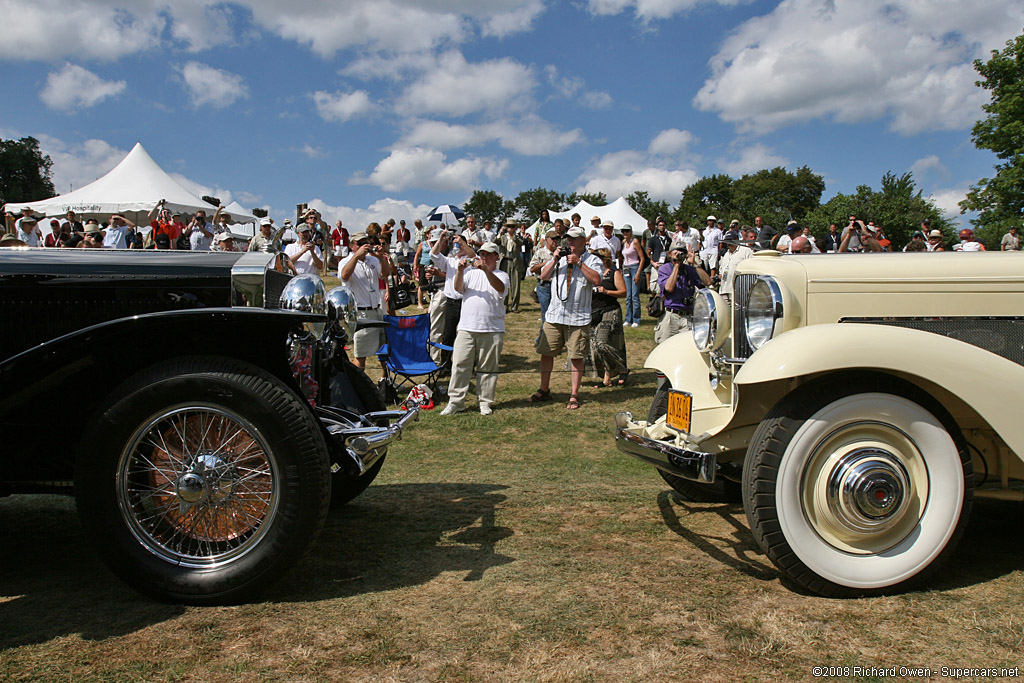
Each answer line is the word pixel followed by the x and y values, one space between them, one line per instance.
pixel 740 293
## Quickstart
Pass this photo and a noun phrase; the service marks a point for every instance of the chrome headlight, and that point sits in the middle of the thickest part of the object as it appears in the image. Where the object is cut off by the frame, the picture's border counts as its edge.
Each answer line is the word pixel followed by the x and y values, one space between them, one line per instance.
pixel 306 293
pixel 341 310
pixel 764 311
pixel 711 320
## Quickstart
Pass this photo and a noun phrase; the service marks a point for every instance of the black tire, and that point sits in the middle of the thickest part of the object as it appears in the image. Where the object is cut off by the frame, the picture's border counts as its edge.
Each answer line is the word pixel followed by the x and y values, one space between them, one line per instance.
pixel 345 487
pixel 858 487
pixel 722 491
pixel 156 515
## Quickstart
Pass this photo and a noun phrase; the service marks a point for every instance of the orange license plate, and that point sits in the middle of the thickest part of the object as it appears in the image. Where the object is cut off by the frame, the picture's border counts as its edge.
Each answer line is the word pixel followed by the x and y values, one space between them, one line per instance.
pixel 680 410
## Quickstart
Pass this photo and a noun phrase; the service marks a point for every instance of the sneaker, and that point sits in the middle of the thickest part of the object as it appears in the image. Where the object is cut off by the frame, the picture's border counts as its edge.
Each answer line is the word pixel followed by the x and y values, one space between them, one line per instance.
pixel 485 409
pixel 635 325
pixel 451 409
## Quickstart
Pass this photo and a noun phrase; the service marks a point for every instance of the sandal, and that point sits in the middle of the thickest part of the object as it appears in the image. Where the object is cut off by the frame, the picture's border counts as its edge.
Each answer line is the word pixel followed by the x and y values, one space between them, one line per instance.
pixel 540 395
pixel 573 404
pixel 623 377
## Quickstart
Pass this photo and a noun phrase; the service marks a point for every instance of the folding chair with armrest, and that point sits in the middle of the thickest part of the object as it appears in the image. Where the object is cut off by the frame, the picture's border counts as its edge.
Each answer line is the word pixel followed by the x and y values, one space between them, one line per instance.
pixel 406 355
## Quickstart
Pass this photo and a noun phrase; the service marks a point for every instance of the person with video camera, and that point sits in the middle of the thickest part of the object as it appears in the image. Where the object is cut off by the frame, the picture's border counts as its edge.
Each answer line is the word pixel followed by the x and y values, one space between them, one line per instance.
pixel 678 281
pixel 573 273
pixel 362 270
pixel 483 286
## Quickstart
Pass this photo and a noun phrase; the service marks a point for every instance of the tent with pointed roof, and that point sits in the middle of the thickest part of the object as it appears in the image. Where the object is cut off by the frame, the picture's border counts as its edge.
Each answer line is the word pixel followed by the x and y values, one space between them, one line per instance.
pixel 619 212
pixel 132 188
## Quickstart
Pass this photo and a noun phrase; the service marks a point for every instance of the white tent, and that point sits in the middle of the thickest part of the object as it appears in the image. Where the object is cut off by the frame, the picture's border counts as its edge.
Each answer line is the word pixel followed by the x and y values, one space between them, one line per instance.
pixel 133 188
pixel 619 212
pixel 239 214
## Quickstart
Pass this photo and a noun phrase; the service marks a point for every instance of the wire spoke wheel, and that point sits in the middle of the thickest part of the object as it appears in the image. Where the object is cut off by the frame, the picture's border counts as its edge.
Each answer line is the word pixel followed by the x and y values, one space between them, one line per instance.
pixel 196 486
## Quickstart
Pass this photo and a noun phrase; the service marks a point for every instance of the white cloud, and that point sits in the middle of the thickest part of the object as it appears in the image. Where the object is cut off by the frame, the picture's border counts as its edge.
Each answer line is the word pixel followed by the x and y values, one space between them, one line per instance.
pixel 207 85
pixel 74 87
pixel 530 136
pixel 750 159
pixel 455 87
pixel 355 218
pixel 342 106
pixel 948 201
pixel 671 142
pixel 929 167
pixel 574 88
pixel 652 9
pixel 83 30
pixel 660 170
pixel 429 169
pixel 853 62
pixel 77 165
pixel 517 20
pixel 313 152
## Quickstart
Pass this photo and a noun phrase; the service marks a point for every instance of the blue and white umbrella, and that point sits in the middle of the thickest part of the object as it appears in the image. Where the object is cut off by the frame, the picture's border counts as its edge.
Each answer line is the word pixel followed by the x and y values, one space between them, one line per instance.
pixel 446 213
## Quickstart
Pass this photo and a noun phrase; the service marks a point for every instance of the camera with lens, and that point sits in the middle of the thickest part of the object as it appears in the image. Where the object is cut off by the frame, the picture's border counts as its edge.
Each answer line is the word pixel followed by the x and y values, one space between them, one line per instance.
pixel 563 248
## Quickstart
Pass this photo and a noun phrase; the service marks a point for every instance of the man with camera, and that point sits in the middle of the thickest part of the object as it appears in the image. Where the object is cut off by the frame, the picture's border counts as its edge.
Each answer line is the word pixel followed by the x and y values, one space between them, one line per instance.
pixel 362 270
pixel 859 237
pixel 481 329
pixel 678 281
pixel 573 273
pixel 510 245
pixel 305 254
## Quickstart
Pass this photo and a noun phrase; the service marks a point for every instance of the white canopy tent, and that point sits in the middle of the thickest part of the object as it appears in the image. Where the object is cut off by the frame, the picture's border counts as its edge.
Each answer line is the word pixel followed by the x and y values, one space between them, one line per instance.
pixel 242 222
pixel 132 188
pixel 619 212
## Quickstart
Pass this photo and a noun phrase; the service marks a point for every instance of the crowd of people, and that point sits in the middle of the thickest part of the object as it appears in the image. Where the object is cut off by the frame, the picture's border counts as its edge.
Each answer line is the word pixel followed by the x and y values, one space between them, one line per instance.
pixel 473 277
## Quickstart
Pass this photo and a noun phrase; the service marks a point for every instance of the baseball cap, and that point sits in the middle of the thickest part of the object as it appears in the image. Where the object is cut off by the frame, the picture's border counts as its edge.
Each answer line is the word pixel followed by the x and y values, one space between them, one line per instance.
pixel 575 232
pixel 489 247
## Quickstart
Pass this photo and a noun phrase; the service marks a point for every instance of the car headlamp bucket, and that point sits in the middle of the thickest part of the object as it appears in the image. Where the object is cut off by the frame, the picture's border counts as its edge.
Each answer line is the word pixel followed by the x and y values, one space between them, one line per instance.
pixel 341 310
pixel 306 293
pixel 764 311
pixel 711 320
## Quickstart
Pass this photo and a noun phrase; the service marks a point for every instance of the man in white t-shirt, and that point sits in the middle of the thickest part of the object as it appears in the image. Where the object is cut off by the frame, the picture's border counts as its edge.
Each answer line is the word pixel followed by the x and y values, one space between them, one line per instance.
pixel 305 255
pixel 606 239
pixel 117 232
pixel 28 231
pixel 712 236
pixel 481 329
pixel 567 321
pixel 362 270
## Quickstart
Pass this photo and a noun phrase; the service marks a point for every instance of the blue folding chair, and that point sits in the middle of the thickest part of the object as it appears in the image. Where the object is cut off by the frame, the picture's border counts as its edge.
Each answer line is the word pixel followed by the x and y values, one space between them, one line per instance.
pixel 406 354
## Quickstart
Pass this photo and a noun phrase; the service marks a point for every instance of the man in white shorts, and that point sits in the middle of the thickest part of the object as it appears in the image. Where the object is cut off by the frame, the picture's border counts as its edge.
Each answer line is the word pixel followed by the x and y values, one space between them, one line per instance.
pixel 361 270
pixel 481 329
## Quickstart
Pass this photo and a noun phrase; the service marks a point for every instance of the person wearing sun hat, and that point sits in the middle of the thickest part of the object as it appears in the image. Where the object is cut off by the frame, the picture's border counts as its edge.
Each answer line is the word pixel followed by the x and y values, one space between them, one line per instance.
pixel 481 329
pixel 28 231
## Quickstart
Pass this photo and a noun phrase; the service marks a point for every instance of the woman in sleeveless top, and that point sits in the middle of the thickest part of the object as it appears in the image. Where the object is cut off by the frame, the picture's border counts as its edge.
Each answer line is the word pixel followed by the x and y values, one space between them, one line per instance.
pixel 632 271
pixel 607 341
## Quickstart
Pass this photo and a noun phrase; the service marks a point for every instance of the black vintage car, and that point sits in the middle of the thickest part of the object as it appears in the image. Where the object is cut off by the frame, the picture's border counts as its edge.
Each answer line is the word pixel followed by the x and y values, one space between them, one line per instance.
pixel 201 408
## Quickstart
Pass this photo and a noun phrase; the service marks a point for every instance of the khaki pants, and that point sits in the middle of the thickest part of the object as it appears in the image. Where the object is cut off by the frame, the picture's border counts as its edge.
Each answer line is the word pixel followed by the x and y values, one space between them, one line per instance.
pixel 485 349
pixel 671 324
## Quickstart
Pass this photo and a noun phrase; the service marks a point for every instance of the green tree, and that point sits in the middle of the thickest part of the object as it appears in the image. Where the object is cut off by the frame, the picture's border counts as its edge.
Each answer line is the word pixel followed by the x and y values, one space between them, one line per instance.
pixel 25 172
pixel 530 203
pixel 711 195
pixel 777 195
pixel 647 207
pixel 999 200
pixel 486 205
pixel 592 198
pixel 897 207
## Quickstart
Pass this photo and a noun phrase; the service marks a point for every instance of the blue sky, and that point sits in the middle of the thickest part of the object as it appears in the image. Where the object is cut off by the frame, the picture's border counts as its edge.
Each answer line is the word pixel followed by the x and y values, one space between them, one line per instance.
pixel 371 109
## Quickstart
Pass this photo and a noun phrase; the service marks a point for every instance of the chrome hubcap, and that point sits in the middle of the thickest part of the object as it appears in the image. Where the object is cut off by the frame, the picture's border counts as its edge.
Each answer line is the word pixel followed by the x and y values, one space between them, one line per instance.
pixel 867 490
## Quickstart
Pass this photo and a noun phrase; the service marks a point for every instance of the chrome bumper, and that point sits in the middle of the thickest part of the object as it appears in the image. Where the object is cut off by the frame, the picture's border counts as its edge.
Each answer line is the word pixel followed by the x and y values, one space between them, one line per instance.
pixel 688 464
pixel 364 446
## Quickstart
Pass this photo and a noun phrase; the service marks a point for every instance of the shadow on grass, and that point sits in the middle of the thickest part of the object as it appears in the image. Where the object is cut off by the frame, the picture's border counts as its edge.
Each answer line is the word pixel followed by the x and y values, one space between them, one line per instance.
pixel 53 584
pixel 740 552
pixel 400 535
pixel 989 549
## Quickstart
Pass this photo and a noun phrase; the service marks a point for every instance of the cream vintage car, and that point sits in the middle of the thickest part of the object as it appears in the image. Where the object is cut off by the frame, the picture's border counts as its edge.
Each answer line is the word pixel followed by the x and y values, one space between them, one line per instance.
pixel 855 403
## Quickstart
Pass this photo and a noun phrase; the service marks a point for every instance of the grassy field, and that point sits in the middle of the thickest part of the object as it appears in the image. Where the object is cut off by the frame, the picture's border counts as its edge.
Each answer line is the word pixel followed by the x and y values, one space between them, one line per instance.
pixel 516 547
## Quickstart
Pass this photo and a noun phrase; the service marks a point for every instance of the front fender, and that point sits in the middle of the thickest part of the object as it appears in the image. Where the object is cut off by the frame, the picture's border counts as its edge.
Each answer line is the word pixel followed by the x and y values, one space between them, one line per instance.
pixel 687 369
pixel 987 383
